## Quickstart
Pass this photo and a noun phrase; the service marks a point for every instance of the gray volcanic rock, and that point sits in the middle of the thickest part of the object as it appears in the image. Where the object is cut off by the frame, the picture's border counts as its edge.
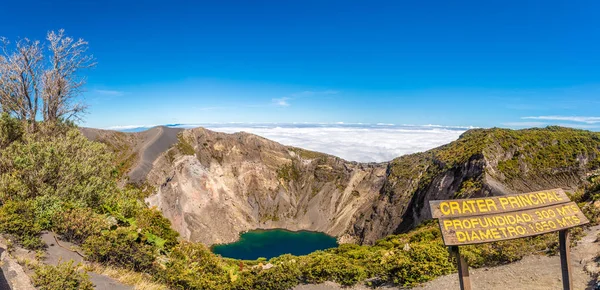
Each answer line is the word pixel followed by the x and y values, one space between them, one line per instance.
pixel 158 140
pixel 212 186
pixel 239 182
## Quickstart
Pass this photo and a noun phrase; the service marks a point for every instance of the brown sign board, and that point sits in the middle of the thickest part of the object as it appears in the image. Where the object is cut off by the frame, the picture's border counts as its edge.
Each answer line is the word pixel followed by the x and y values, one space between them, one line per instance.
pixel 496 204
pixel 511 225
pixel 491 219
pixel 499 218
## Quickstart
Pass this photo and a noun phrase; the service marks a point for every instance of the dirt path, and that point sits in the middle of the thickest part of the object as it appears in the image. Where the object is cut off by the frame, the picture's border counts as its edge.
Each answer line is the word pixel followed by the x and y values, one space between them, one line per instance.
pixel 158 140
pixel 56 253
pixel 531 273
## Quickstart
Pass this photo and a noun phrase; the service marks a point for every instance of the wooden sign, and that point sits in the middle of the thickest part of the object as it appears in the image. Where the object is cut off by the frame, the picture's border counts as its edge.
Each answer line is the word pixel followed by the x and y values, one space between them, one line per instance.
pixel 499 218
pixel 511 225
pixel 496 204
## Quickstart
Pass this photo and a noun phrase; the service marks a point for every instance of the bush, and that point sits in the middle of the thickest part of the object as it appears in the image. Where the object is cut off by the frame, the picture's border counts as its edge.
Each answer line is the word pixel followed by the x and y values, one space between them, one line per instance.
pixel 68 166
pixel 17 218
pixel 63 276
pixel 320 267
pixel 193 266
pixel 421 263
pixel 48 208
pixel 78 224
pixel 156 229
pixel 121 247
pixel 10 130
pixel 284 275
pixel 184 146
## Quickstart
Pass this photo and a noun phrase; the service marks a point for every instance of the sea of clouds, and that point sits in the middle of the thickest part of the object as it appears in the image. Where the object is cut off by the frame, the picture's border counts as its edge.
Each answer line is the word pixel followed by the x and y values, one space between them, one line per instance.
pixel 354 142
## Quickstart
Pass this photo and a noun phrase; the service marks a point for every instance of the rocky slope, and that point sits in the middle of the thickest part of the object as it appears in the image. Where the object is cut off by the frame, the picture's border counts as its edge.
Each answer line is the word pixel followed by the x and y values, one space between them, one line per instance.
pixel 214 185
pixel 481 163
pixel 135 152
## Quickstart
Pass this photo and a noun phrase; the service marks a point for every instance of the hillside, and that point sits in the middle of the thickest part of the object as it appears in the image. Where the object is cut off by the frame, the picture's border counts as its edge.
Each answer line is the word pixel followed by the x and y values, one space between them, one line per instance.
pixel 213 185
pixel 135 152
pixel 55 182
pixel 482 162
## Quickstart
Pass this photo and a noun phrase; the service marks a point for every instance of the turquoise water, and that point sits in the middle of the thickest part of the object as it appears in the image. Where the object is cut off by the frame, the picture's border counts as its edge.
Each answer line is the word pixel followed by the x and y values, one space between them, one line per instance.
pixel 272 243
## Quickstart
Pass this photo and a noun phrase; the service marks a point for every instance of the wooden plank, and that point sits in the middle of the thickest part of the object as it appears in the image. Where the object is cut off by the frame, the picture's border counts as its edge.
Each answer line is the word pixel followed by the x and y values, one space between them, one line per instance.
pixel 565 259
pixel 510 225
pixel 463 269
pixel 496 204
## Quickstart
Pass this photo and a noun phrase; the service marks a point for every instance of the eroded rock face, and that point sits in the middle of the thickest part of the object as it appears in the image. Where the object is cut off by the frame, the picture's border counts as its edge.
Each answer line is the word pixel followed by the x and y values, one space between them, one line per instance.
pixel 212 186
pixel 241 182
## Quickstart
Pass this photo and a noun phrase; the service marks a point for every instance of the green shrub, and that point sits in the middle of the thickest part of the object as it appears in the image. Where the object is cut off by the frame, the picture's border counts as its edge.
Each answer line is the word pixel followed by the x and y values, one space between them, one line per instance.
pixel 184 146
pixel 17 218
pixel 48 208
pixel 68 166
pixel 421 263
pixel 288 172
pixel 78 224
pixel 193 266
pixel 282 276
pixel 10 130
pixel 63 276
pixel 156 228
pixel 121 247
pixel 320 267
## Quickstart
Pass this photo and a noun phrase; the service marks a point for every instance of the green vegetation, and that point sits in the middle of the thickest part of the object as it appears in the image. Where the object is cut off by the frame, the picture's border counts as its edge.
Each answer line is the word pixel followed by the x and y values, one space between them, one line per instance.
pixel 18 219
pixel 518 153
pixel 56 179
pixel 306 154
pixel 468 187
pixel 78 224
pixel 121 149
pixel 63 276
pixel 547 151
pixel 288 172
pixel 184 145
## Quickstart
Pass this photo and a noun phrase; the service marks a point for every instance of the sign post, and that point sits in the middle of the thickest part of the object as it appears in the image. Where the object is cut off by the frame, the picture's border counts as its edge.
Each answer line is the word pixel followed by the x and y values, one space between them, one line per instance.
pixel 565 259
pixel 463 269
pixel 491 219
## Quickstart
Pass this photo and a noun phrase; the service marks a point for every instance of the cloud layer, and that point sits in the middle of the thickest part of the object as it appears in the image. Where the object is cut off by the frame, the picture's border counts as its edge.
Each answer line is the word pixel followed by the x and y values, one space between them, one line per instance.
pixel 354 142
pixel 364 143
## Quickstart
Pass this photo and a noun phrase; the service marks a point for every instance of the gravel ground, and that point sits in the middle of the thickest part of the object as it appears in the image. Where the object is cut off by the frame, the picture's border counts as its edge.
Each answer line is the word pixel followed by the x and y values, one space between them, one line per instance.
pixel 531 273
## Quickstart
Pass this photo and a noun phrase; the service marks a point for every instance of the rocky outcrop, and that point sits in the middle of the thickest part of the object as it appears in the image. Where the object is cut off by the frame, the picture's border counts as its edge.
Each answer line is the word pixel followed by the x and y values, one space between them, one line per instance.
pixel 478 165
pixel 212 186
pixel 238 182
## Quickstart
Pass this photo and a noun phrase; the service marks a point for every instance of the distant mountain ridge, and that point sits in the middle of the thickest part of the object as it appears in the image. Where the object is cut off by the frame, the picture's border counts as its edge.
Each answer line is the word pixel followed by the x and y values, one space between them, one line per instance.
pixel 351 141
pixel 214 185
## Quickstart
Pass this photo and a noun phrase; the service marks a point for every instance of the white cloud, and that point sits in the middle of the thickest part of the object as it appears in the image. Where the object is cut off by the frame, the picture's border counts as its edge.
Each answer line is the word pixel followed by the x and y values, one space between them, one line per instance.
pixel 282 102
pixel 285 101
pixel 110 93
pixel 129 127
pixel 580 119
pixel 353 142
pixel 364 143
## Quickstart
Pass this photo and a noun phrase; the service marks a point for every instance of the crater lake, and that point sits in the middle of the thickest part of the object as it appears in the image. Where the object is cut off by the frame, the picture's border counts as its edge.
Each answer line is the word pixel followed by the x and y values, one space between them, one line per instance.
pixel 272 243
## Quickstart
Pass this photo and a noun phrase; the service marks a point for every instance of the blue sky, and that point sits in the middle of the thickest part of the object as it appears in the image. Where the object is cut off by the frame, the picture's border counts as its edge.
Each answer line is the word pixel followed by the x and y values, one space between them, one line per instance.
pixel 466 63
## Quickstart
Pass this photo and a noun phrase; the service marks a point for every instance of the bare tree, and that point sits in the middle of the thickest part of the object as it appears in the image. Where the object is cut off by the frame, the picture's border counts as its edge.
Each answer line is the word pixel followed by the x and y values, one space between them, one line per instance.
pixel 20 79
pixel 62 83
pixel 30 83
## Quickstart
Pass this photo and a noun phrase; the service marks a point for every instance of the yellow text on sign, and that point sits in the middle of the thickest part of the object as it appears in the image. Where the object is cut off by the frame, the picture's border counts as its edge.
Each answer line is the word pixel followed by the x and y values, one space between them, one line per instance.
pixel 504 226
pixel 478 206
